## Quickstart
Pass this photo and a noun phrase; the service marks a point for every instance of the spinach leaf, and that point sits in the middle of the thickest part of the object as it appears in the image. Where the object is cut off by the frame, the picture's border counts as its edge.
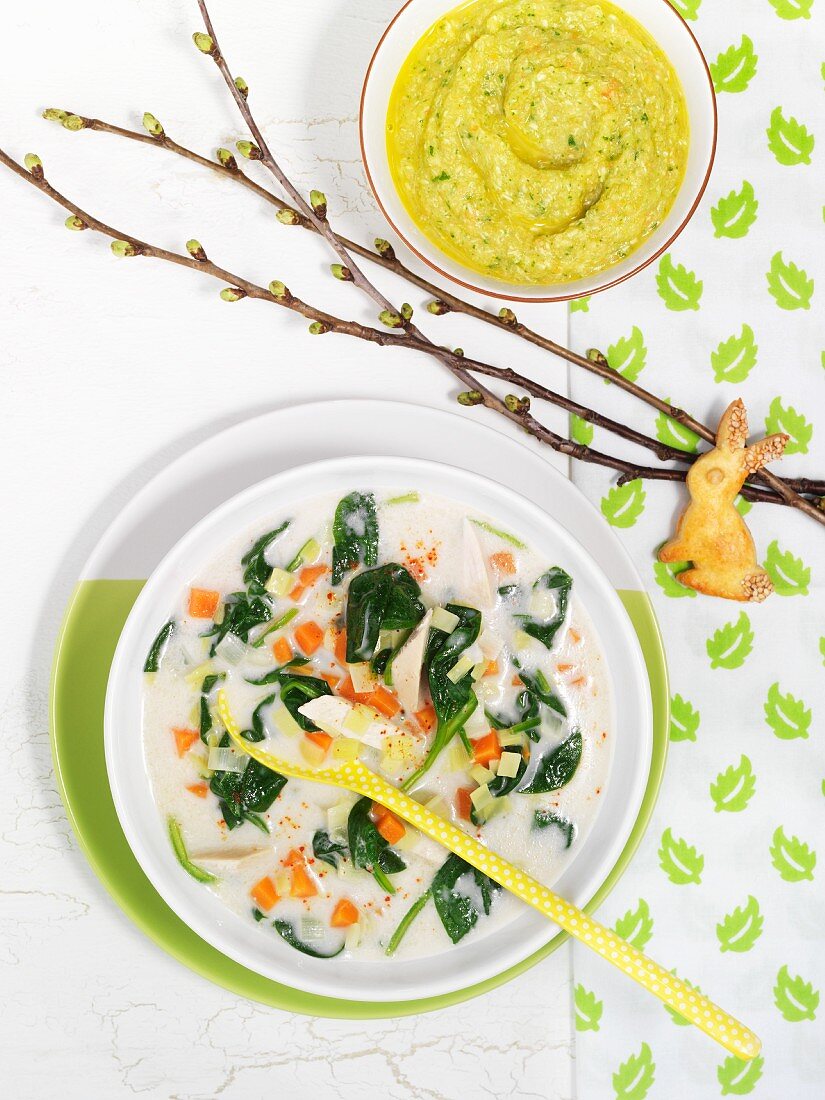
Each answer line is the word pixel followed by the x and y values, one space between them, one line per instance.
pixel 542 819
pixel 560 584
pixel 205 714
pixel 257 569
pixel 297 690
pixel 244 795
pixel 454 703
pixel 457 911
pixel 355 534
pixel 327 849
pixel 556 767
pixel 386 598
pixel 539 687
pixel 241 613
pixel 276 675
pixel 287 932
pixel 158 647
pixel 368 849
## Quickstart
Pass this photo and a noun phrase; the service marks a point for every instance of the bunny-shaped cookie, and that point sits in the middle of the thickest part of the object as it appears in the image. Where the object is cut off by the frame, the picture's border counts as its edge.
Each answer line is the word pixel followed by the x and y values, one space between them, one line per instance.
pixel 711 534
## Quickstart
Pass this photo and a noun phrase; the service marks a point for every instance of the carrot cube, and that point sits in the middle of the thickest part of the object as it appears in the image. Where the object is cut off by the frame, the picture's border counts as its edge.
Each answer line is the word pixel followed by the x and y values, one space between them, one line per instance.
pixel 184 740
pixel 322 740
pixel 486 748
pixel 463 803
pixel 203 603
pixel 344 914
pixel 332 680
pixel 302 884
pixel 264 893
pixel 390 828
pixel 341 648
pixel 311 574
pixel 384 702
pixel 282 651
pixel 492 668
pixel 200 790
pixel 426 718
pixel 308 637
pixel 503 562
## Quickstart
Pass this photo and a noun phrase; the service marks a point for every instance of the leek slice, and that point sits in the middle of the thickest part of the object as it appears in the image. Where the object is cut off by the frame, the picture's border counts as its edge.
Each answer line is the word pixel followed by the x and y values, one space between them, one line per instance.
pixel 182 855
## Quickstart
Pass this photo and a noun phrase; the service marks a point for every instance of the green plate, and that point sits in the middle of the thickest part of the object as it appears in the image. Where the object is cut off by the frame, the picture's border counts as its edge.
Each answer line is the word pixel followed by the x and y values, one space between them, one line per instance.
pixel 89 635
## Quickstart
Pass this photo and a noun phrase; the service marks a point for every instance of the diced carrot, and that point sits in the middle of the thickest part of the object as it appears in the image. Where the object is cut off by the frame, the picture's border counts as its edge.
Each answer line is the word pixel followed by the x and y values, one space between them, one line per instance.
pixel 200 790
pixel 578 681
pixel 384 702
pixel 311 574
pixel 282 651
pixel 564 668
pixel 492 668
pixel 463 803
pixel 486 748
pixel 264 893
pixel 575 637
pixel 344 914
pixel 378 811
pixel 517 681
pixel 322 740
pixel 503 562
pixel 309 637
pixel 293 856
pixel 332 680
pixel 203 603
pixel 341 647
pixel 302 884
pixel 426 718
pixel 184 740
pixel 390 828
pixel 297 592
pixel 346 690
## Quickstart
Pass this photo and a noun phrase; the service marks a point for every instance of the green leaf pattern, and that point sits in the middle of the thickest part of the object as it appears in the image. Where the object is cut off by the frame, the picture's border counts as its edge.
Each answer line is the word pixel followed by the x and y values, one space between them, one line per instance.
pixel 730 865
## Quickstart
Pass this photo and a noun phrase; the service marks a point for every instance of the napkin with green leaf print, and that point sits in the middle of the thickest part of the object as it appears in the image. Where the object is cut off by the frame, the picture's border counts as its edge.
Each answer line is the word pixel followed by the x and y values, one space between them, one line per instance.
pixel 728 886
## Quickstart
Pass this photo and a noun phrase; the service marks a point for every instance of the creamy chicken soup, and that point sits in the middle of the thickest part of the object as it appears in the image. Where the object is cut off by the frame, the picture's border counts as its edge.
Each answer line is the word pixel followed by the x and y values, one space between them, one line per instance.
pixel 409 632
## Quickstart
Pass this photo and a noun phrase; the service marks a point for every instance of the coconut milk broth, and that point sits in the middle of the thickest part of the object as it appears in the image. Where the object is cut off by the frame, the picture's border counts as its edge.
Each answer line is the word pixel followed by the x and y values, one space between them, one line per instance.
pixel 429 538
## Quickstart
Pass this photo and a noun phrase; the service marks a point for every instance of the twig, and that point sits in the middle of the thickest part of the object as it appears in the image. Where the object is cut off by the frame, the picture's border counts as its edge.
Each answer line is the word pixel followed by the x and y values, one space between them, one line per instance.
pixel 317 215
pixel 444 301
pixel 278 294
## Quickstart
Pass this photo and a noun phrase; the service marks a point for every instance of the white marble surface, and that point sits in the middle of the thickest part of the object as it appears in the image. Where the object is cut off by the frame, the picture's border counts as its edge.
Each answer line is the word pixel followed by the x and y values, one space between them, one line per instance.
pixel 109 369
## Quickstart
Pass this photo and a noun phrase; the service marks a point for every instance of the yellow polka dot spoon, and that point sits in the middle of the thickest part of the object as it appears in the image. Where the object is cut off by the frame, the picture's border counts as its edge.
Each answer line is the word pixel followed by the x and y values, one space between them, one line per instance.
pixel 355 776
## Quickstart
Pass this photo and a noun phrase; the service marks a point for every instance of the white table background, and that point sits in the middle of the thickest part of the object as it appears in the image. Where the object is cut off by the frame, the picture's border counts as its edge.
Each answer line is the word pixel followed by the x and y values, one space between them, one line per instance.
pixel 110 369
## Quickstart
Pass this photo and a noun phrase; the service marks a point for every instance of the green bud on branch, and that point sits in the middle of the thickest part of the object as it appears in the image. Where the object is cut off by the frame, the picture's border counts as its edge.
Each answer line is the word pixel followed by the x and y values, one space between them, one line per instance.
pixel 406 311
pixel 242 86
pixel 54 114
pixel 75 223
pixel 232 294
pixel 227 160
pixel 595 356
pixel 204 42
pixel 438 308
pixel 318 328
pixel 125 249
pixel 520 405
pixel 469 398
pixel 341 272
pixel 34 164
pixel 507 317
pixel 288 216
pixel 318 201
pixel 152 126
pixel 459 352
pixel 73 123
pixel 391 319
pixel 280 291
pixel 195 250
pixel 384 248
pixel 248 150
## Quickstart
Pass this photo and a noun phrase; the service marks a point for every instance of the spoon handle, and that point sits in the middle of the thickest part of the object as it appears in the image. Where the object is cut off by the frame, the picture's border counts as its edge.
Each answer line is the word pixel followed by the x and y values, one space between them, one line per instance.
pixel 689 1003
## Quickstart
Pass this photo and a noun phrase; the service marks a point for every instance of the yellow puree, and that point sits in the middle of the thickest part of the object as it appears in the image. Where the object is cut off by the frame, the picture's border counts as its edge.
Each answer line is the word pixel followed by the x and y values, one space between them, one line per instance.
pixel 537 141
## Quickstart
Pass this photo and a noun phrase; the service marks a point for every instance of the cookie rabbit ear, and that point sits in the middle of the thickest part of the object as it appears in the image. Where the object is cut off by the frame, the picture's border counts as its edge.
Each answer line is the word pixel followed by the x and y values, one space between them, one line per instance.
pixel 765 451
pixel 732 433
